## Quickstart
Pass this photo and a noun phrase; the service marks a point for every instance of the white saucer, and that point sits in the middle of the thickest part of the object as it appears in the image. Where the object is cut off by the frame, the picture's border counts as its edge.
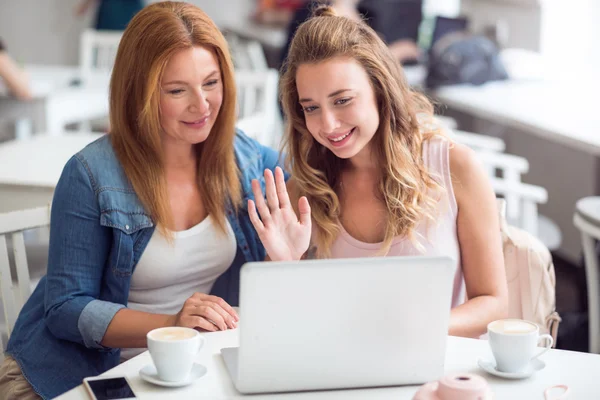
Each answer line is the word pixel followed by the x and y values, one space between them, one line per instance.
pixel 149 374
pixel 490 367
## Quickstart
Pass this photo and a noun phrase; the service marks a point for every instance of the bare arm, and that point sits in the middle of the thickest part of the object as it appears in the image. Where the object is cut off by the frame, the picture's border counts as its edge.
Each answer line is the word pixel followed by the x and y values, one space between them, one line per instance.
pixel 480 247
pixel 128 328
pixel 14 77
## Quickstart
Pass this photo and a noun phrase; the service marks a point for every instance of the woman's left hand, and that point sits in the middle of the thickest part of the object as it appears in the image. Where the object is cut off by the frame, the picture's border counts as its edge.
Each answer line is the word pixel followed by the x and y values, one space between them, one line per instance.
pixel 284 236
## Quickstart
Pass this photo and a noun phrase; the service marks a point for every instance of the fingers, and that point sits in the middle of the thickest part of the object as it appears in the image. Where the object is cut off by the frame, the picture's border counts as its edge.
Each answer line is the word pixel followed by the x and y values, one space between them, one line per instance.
pixel 209 311
pixel 227 317
pixel 276 193
pixel 272 200
pixel 196 314
pixel 216 319
pixel 282 193
pixel 304 209
pixel 200 298
pixel 224 306
pixel 261 205
pixel 213 309
pixel 259 200
pixel 258 225
pixel 195 322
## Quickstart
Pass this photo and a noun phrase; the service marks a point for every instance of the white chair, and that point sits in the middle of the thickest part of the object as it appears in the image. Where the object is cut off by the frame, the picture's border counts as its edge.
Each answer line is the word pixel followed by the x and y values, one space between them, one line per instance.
pixel 257 96
pixel 481 143
pixel 253 125
pixel 246 54
pixel 521 199
pixel 97 51
pixel 477 141
pixel 15 290
pixel 256 56
pixel 446 122
pixel 587 220
pixel 509 168
pixel 523 213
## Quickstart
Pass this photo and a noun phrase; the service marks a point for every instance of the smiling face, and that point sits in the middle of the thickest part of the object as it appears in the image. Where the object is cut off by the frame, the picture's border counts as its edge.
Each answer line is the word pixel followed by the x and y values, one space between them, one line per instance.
pixel 339 105
pixel 191 95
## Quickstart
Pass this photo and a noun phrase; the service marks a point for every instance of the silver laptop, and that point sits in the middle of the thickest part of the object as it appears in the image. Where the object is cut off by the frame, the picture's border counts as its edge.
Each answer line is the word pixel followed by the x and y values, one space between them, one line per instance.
pixel 341 323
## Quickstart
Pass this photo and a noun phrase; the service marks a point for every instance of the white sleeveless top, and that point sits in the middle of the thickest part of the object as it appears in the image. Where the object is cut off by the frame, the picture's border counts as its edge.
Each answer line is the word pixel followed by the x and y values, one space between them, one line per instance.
pixel 437 238
pixel 168 274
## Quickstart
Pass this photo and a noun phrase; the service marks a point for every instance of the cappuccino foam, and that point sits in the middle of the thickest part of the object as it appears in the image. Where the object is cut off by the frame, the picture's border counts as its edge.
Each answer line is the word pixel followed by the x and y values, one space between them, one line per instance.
pixel 513 327
pixel 173 334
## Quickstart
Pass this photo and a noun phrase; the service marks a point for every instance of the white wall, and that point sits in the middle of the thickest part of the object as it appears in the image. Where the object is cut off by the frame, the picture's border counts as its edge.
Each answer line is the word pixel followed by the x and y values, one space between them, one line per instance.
pixel 41 31
pixel 523 18
pixel 47 31
pixel 570 31
pixel 222 11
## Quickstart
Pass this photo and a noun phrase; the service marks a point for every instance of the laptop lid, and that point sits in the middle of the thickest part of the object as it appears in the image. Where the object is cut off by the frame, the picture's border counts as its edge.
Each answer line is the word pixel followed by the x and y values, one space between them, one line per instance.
pixel 446 25
pixel 343 323
pixel 394 19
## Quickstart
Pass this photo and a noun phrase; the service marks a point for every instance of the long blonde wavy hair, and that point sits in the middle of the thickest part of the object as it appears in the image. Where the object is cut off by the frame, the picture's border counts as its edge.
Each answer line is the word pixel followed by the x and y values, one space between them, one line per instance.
pixel 152 37
pixel 406 187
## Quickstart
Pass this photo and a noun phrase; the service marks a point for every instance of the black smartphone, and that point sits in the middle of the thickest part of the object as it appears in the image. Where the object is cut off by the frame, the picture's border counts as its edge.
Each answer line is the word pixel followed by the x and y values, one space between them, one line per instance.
pixel 115 388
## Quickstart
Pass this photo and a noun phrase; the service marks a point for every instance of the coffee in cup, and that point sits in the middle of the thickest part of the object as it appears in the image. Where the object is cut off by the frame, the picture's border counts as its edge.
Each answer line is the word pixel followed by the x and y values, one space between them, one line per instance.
pixel 514 343
pixel 513 326
pixel 174 334
pixel 173 350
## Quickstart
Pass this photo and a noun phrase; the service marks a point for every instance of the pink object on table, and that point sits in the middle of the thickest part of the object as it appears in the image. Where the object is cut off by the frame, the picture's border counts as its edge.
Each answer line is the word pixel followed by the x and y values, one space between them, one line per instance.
pixel 456 387
pixel 566 393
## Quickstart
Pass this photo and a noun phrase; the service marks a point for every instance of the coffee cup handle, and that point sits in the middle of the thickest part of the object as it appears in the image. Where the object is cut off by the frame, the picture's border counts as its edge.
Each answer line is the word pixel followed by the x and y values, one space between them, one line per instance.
pixel 547 347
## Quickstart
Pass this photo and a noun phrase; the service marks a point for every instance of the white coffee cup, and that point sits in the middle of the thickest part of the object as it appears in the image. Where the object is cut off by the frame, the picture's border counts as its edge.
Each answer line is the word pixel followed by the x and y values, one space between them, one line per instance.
pixel 514 343
pixel 173 350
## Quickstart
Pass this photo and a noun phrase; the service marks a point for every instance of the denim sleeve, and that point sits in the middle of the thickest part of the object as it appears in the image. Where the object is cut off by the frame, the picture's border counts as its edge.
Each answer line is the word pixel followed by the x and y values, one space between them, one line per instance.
pixel 272 159
pixel 79 248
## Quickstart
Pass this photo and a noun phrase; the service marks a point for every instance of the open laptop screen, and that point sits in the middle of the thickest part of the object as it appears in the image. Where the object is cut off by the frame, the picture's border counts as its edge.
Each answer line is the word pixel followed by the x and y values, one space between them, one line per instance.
pixel 445 25
pixel 394 19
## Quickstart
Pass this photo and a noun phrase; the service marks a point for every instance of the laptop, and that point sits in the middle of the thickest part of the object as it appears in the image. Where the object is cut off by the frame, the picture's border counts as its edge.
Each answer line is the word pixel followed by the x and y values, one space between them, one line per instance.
pixel 445 25
pixel 341 323
pixel 394 19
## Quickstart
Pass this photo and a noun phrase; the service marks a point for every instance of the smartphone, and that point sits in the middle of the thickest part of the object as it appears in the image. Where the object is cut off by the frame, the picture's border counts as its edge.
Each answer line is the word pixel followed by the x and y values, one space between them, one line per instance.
pixel 113 388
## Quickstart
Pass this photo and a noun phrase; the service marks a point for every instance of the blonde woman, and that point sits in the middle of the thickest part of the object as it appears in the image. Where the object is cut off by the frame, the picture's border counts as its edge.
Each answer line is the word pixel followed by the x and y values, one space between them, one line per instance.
pixel 148 225
pixel 371 177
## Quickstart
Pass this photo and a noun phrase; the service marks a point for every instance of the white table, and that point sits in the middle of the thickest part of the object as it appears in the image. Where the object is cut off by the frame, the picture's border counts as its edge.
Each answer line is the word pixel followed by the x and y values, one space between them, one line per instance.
pixel 562 112
pixel 56 99
pixel 581 371
pixel 30 168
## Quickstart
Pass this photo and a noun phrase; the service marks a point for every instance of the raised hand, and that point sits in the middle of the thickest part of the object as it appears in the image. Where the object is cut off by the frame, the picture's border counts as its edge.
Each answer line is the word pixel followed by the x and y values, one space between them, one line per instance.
pixel 284 236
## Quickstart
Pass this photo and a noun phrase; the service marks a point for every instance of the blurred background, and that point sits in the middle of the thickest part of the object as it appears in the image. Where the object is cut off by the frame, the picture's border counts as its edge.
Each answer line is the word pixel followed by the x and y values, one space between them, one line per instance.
pixel 514 79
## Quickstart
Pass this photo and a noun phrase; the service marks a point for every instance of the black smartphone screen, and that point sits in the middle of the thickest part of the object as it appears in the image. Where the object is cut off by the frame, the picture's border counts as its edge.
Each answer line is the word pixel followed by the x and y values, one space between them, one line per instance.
pixel 111 389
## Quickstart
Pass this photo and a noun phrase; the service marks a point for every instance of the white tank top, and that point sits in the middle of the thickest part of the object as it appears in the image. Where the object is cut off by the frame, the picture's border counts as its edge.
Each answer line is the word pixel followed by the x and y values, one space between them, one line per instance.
pixel 168 274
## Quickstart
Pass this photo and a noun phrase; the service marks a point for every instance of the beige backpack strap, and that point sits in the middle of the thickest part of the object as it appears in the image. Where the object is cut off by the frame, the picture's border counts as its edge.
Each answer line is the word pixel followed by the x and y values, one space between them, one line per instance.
pixel 552 322
pixel 525 281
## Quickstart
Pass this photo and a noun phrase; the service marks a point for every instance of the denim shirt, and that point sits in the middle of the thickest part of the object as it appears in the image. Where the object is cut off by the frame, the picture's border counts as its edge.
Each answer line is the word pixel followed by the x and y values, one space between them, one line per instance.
pixel 99 230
